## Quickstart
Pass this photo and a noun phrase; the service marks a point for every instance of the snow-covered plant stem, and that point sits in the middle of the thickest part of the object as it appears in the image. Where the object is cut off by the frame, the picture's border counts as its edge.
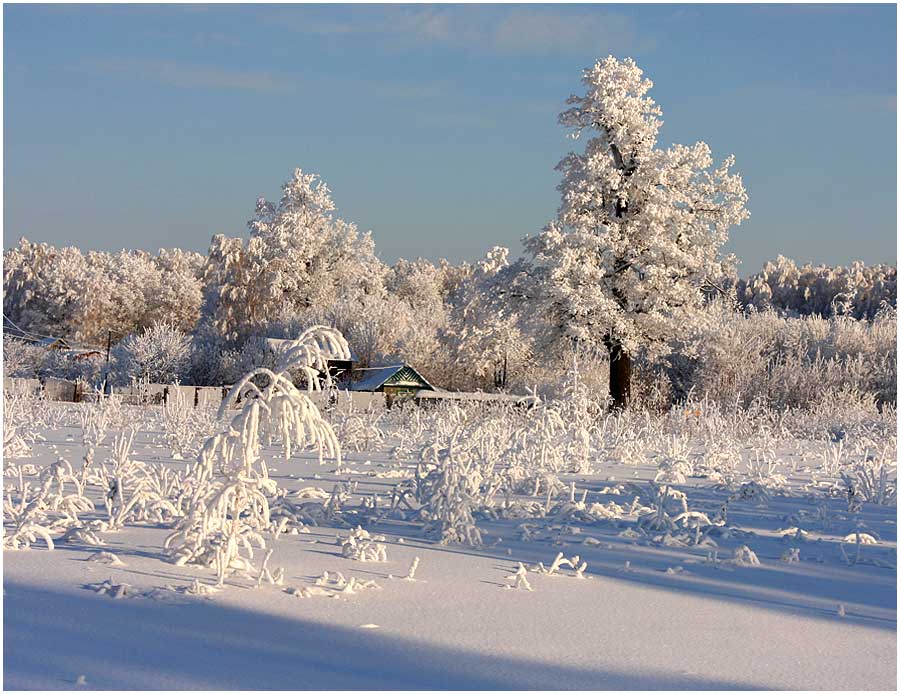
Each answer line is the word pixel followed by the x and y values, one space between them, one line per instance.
pixel 229 509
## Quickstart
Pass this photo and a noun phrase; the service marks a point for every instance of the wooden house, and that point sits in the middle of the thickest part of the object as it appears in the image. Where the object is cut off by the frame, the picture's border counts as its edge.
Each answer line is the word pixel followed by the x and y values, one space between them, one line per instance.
pixel 397 382
pixel 53 343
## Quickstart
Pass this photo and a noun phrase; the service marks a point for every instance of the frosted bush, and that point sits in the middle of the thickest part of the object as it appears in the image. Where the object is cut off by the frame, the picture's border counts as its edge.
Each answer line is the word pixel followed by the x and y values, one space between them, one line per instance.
pixel 857 539
pixel 791 555
pixel 675 466
pixel 85 534
pixel 358 430
pixel 285 412
pixel 25 411
pixel 574 563
pixel 762 468
pixel 14 444
pixel 694 522
pixel 65 492
pixel 21 359
pixel 275 578
pixel 160 354
pixel 662 499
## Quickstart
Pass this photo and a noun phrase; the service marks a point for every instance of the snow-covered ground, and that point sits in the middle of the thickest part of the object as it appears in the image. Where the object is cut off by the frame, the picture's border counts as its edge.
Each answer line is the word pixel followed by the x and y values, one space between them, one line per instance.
pixel 672 605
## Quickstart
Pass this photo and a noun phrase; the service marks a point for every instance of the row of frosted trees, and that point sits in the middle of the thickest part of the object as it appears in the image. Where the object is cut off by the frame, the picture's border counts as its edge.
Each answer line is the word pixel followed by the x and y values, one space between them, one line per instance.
pixel 621 274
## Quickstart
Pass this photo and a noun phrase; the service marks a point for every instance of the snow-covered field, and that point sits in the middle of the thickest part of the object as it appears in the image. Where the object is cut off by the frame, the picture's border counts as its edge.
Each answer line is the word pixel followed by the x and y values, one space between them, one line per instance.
pixel 740 567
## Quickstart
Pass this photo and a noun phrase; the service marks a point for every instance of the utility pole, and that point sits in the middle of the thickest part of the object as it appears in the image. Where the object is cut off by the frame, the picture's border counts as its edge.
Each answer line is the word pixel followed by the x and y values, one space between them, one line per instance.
pixel 106 372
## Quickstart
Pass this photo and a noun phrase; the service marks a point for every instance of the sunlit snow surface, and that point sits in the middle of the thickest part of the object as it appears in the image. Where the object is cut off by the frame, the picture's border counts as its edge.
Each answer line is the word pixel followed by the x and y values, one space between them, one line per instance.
pixel 647 615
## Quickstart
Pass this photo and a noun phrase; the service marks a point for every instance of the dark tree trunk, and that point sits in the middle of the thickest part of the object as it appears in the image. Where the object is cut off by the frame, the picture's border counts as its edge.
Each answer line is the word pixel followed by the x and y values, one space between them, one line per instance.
pixel 619 377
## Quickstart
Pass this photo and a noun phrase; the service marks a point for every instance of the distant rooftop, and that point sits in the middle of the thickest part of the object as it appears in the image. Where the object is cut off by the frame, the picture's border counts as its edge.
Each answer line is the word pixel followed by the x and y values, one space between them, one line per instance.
pixel 377 377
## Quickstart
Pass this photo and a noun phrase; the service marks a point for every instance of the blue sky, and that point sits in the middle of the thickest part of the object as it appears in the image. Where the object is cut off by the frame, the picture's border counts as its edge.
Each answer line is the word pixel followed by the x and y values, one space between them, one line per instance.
pixel 434 126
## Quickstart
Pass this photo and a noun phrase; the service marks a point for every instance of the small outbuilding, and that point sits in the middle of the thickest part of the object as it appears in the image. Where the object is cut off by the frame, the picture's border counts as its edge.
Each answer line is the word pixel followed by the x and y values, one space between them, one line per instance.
pixel 53 343
pixel 397 382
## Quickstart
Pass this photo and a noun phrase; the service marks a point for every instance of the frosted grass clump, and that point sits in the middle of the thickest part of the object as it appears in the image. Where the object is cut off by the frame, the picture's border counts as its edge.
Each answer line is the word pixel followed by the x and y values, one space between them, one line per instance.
pixel 66 492
pixel 95 424
pixel 857 539
pixel 229 508
pixel 185 425
pixel 744 556
pixel 130 494
pixel 361 546
pixel 791 555
pixel 574 563
pixel 521 578
pixel 873 481
pixel 448 493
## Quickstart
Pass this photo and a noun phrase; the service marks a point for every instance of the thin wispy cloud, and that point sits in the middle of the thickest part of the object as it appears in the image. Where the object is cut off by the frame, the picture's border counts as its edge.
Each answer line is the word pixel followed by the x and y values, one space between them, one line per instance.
pixel 519 30
pixel 542 31
pixel 176 74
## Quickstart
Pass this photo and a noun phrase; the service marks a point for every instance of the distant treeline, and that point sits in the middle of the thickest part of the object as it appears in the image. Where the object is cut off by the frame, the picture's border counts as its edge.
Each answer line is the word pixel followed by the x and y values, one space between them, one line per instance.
pixel 857 290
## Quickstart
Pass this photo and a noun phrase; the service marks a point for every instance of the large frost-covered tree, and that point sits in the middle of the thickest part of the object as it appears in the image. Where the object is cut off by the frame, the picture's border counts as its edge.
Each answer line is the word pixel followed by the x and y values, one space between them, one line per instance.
pixel 299 257
pixel 640 228
pixel 483 334
pixel 61 292
pixel 44 288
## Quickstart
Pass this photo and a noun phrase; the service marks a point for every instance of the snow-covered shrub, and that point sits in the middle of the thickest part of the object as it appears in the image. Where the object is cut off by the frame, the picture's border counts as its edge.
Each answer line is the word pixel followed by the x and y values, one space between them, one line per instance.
pixel 858 289
pixel 574 563
pixel 521 577
pixel 799 362
pixel 161 354
pixel 675 465
pixel 763 468
pixel 857 538
pixel 21 358
pixel 358 430
pixel 65 492
pixel 87 369
pixel 791 555
pixel 14 444
pixel 661 498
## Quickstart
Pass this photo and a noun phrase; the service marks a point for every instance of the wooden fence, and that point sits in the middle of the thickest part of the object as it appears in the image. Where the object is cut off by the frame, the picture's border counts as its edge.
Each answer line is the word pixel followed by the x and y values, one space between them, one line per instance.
pixel 158 393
